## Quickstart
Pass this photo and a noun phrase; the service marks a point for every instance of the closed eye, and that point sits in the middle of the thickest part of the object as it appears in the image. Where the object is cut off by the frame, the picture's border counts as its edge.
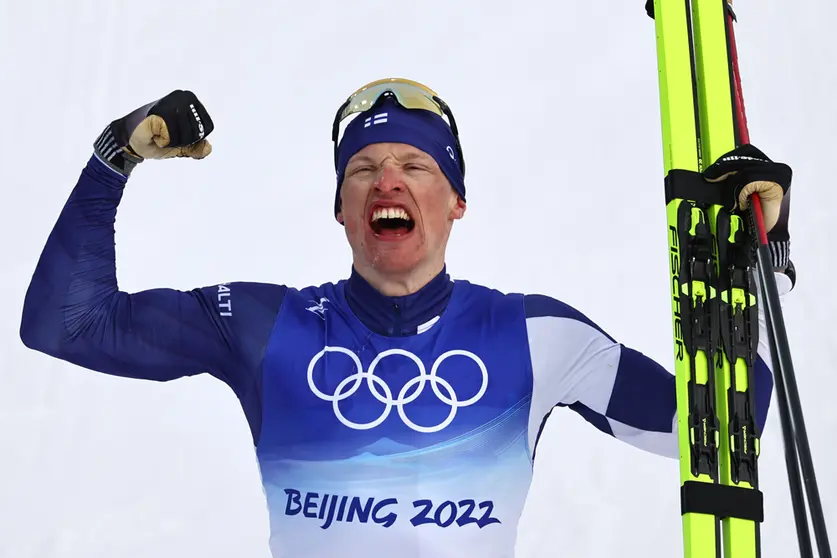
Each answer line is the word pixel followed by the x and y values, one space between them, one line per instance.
pixel 413 166
pixel 356 170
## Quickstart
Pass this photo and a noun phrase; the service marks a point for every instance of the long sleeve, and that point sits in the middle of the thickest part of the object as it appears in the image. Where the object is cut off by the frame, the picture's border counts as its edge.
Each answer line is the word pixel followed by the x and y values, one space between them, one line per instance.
pixel 617 389
pixel 74 310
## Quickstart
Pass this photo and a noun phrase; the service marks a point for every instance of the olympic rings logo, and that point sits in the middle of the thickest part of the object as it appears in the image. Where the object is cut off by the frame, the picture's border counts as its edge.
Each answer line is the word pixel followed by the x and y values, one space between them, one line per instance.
pixel 382 392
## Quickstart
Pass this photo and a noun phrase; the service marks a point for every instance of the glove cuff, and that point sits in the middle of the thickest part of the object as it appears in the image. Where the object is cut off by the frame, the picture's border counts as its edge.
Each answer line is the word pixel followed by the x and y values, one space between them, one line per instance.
pixel 118 157
pixel 780 258
pixel 779 253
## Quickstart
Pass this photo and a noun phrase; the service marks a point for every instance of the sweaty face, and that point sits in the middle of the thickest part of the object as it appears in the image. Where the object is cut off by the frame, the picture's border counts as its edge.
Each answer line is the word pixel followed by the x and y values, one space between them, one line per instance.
pixel 398 208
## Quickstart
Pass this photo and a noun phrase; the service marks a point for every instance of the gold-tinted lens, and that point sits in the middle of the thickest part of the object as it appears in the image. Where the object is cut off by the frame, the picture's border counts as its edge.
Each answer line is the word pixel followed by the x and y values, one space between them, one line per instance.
pixel 410 94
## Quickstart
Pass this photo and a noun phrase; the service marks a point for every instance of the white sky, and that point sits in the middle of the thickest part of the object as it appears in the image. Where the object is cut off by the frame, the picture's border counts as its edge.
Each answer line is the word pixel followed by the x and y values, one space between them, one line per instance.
pixel 558 109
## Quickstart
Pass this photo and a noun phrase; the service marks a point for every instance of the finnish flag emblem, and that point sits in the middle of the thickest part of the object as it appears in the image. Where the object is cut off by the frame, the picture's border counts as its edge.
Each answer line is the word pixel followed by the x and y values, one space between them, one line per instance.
pixel 380 118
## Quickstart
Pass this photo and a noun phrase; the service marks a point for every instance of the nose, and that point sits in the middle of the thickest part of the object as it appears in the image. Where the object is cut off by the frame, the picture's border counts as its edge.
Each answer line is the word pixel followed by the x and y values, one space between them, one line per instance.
pixel 389 180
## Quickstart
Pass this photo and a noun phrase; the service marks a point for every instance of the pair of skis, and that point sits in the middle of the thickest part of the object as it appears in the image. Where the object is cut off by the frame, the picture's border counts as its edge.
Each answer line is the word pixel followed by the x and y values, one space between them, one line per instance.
pixel 715 309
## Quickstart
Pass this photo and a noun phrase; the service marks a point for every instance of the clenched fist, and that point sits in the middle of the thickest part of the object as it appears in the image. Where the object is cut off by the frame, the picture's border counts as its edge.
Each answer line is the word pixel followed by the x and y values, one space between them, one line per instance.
pixel 174 126
pixel 749 171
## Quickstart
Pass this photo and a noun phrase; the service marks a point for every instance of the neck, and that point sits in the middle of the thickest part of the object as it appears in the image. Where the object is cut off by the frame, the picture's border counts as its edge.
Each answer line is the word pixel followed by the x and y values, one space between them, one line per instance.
pixel 395 284
pixel 400 314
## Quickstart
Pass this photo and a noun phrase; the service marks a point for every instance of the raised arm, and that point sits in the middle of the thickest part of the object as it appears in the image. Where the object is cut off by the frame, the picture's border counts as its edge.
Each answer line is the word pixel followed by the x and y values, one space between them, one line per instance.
pixel 74 310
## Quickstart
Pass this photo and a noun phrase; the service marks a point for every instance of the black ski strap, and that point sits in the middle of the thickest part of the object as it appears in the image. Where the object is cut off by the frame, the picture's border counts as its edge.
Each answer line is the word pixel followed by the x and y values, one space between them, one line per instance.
pixel 722 500
pixel 690 185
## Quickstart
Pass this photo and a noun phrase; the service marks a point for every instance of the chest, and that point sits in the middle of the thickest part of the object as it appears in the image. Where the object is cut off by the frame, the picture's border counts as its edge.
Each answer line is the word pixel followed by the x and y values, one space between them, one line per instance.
pixel 333 390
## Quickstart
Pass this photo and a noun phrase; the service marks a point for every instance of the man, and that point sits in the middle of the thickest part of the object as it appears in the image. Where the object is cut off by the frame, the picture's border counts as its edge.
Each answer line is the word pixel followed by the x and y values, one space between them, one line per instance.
pixel 396 412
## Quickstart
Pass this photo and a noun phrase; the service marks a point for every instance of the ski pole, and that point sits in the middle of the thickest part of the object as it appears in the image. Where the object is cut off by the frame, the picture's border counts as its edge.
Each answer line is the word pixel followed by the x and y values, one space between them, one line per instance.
pixel 791 457
pixel 793 426
pixel 784 373
pixel 788 437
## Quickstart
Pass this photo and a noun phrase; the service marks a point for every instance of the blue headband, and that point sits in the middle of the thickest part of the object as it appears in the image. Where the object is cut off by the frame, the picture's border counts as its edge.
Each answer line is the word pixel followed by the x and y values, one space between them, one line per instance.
pixel 390 122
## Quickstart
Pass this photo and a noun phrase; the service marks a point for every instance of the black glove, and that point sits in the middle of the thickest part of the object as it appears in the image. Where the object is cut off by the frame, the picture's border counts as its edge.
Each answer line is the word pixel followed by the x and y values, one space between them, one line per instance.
pixel 748 171
pixel 174 126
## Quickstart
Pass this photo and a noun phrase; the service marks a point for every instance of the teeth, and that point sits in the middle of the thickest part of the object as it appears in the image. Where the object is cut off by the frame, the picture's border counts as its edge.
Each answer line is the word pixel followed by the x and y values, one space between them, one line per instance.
pixel 390 213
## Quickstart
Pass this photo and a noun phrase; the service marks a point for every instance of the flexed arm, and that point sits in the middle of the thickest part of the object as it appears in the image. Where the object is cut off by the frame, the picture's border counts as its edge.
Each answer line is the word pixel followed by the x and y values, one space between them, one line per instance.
pixel 74 310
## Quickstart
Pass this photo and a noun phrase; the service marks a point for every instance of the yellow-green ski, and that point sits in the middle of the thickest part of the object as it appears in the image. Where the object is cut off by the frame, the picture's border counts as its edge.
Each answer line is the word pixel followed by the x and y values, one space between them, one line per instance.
pixel 735 362
pixel 698 443
pixel 714 308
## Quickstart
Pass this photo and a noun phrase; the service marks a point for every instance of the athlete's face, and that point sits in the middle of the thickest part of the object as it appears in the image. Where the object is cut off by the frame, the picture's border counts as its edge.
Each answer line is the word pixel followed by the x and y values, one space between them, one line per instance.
pixel 398 208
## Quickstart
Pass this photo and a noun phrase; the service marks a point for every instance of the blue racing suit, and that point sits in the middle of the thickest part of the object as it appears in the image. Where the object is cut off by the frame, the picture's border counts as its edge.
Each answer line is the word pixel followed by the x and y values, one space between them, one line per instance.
pixel 383 426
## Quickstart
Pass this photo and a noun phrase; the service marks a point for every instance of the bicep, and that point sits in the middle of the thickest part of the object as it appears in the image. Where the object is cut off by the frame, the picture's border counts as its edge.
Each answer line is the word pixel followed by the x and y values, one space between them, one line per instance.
pixel 618 390
pixel 629 396
pixel 157 334
pixel 164 334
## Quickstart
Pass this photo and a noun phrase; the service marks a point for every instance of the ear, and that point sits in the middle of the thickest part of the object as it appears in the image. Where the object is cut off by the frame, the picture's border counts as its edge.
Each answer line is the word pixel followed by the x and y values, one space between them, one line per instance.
pixel 339 214
pixel 458 210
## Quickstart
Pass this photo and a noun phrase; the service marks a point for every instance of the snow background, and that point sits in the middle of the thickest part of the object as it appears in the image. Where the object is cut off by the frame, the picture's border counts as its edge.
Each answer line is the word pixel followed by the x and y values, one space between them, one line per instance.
pixel 558 109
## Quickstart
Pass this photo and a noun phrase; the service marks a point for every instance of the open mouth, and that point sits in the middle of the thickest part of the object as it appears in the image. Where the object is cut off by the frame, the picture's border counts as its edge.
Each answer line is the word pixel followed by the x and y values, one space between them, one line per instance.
pixel 391 221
